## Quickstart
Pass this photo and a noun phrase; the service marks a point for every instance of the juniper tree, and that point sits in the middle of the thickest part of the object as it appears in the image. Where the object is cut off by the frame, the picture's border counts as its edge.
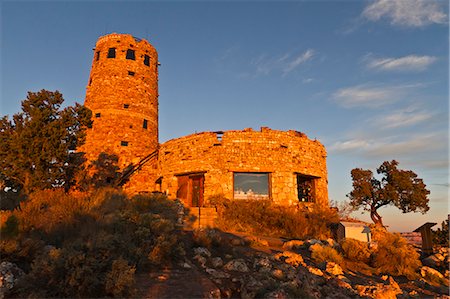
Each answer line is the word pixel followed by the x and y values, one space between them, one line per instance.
pixel 37 146
pixel 400 188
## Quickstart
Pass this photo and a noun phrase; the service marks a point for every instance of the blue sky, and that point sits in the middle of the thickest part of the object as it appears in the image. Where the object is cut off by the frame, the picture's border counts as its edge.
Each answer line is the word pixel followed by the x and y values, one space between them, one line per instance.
pixel 369 79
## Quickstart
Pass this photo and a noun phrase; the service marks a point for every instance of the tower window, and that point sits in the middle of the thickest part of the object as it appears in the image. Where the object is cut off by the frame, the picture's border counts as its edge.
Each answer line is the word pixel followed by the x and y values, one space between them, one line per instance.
pixel 130 54
pixel 126 106
pixel 124 143
pixel 130 73
pixel 144 125
pixel 97 115
pixel 146 60
pixel 97 56
pixel 112 53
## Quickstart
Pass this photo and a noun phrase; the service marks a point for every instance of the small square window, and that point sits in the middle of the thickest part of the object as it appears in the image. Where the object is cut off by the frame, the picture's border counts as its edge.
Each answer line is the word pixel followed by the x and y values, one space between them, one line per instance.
pixel 146 60
pixel 97 115
pixel 97 57
pixel 124 143
pixel 130 54
pixel 126 106
pixel 130 73
pixel 112 53
pixel 144 125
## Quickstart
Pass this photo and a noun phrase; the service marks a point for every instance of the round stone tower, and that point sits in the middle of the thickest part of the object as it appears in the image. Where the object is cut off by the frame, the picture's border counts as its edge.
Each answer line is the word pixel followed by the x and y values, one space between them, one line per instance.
pixel 122 93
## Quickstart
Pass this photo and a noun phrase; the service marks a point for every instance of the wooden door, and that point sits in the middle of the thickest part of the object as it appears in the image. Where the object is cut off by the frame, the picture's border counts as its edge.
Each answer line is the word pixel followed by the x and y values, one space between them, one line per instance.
pixel 197 190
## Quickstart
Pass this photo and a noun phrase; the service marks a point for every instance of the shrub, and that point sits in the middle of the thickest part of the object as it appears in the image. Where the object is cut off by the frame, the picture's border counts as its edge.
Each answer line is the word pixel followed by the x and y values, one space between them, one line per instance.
pixel 11 227
pixel 120 279
pixel 326 254
pixel 206 237
pixel 319 221
pixel 262 217
pixel 394 256
pixel 356 250
pixel 101 237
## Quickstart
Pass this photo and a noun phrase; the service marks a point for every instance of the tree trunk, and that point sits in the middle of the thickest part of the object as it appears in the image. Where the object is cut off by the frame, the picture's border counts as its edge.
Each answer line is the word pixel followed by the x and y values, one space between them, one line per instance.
pixel 376 218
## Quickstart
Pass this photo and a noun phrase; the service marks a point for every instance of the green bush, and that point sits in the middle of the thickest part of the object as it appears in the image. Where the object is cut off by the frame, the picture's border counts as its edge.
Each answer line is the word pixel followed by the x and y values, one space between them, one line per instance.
pixel 395 257
pixel 326 254
pixel 355 250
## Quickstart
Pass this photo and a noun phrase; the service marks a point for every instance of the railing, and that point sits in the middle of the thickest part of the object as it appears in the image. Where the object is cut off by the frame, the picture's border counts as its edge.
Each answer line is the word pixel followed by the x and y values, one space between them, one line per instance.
pixel 130 170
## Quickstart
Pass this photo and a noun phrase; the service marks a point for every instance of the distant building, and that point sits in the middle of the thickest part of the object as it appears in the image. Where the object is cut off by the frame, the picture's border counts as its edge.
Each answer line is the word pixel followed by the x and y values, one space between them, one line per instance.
pixel 122 92
pixel 353 230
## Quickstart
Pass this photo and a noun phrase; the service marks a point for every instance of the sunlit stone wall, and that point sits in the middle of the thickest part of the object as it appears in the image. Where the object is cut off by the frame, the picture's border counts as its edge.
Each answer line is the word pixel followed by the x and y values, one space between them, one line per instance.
pixel 122 93
pixel 218 156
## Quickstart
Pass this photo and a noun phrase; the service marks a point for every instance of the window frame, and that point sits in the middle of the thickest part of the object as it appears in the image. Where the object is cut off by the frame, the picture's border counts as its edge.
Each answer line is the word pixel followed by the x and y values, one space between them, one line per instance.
pixel 269 184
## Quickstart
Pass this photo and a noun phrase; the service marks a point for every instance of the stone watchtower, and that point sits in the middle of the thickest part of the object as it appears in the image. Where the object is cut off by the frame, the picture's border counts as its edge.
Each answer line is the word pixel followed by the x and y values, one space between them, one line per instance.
pixel 122 93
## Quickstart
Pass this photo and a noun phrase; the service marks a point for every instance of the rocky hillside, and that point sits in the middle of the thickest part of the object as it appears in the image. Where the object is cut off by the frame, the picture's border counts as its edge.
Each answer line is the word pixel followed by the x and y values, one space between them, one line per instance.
pixel 239 266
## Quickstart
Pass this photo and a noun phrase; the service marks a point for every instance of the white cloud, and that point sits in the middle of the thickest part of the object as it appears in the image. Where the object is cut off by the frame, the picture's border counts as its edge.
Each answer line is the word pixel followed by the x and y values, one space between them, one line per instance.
pixel 406 63
pixel 386 148
pixel 370 96
pixel 407 13
pixel 264 64
pixel 300 59
pixel 403 118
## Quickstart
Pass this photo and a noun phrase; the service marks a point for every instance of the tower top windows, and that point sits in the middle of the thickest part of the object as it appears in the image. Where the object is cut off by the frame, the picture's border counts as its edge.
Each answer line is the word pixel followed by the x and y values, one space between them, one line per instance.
pixel 111 53
pixel 130 54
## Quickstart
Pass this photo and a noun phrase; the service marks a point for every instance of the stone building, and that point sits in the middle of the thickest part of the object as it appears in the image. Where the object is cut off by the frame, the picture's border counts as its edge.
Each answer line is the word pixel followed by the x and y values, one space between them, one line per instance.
pixel 285 167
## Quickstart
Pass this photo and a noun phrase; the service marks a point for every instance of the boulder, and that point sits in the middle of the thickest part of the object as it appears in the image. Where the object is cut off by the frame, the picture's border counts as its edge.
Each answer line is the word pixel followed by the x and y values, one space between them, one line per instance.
pixel 9 276
pixel 202 251
pixel 277 274
pixel 250 287
pixel 430 273
pixel 238 265
pixel 432 261
pixel 379 290
pixel 277 294
pixel 201 260
pixel 255 241
pixel 217 262
pixel 314 241
pixel 315 271
pixel 262 264
pixel 293 245
pixel 217 274
pixel 331 242
pixel 291 258
pixel 315 247
pixel 332 268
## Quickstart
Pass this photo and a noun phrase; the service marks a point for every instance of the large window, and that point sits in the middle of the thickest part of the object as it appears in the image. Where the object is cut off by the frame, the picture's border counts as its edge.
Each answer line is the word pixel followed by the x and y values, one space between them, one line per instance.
pixel 248 185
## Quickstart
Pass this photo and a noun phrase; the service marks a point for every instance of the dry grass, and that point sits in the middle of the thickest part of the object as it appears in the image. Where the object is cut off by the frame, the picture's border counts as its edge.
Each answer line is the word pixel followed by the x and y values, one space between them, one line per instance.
pixel 265 218
pixel 395 257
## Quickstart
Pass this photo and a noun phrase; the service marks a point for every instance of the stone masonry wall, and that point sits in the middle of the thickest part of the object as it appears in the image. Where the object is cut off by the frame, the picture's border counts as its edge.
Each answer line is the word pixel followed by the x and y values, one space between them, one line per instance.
pixel 282 154
pixel 123 96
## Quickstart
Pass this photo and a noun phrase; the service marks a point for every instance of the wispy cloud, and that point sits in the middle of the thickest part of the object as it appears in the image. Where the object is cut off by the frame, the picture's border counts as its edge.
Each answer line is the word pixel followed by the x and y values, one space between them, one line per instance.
pixel 297 61
pixel 286 63
pixel 370 96
pixel 403 118
pixel 407 13
pixel 406 63
pixel 389 147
